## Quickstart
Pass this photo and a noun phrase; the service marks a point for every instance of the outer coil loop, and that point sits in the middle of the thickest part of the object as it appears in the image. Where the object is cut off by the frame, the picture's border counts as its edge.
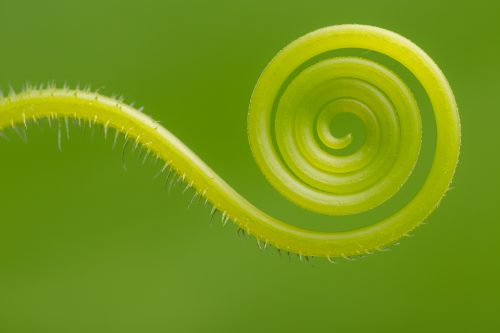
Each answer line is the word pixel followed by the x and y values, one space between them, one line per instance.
pixel 290 118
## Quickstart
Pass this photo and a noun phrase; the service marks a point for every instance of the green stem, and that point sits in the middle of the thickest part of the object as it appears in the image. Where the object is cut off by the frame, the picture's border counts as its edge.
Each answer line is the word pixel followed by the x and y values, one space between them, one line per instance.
pixel 297 165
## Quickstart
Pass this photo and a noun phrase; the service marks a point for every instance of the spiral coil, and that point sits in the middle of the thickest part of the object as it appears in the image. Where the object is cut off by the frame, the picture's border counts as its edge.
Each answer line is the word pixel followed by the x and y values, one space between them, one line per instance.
pixel 292 143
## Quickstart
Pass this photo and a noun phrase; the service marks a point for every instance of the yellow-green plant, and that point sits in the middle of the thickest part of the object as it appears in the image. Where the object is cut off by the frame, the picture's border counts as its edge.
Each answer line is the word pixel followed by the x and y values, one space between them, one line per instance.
pixel 289 132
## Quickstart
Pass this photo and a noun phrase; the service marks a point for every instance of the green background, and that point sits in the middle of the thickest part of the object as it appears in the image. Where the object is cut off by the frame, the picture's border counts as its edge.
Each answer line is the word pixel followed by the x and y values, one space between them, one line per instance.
pixel 88 247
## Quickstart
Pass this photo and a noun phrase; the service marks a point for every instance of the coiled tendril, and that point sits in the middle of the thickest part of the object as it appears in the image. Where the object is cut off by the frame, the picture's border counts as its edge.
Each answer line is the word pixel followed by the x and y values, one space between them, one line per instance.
pixel 290 137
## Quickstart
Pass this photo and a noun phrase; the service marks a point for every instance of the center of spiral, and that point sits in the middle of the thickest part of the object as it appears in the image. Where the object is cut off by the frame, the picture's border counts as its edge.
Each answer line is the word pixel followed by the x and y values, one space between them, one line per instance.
pixel 340 127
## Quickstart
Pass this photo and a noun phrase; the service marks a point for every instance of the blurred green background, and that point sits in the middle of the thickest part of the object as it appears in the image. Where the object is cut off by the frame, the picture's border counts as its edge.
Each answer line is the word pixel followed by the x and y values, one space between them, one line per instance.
pixel 88 247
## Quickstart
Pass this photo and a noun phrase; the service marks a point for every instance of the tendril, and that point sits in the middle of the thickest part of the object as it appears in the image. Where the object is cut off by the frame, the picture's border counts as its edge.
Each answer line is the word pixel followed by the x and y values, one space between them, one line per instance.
pixel 289 127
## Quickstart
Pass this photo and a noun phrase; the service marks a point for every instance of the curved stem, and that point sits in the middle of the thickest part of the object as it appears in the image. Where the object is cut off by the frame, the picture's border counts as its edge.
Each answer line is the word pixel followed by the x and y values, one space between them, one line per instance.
pixel 65 104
